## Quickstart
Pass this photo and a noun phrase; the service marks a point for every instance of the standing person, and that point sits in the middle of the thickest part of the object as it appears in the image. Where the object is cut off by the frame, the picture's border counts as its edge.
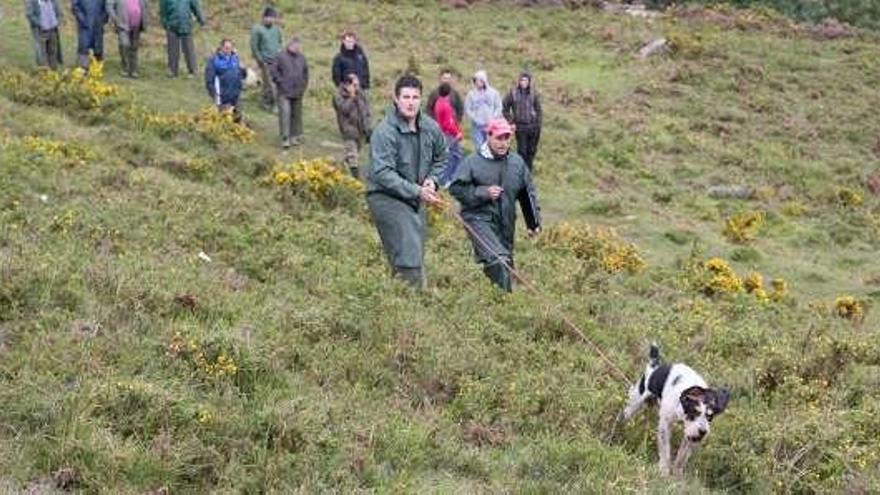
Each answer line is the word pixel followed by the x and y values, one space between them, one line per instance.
pixel 483 103
pixel 44 17
pixel 447 76
pixel 444 114
pixel 291 76
pixel 91 15
pixel 522 108
pixel 266 43
pixel 223 78
pixel 408 152
pixel 176 16
pixel 353 117
pixel 488 185
pixel 351 59
pixel 129 17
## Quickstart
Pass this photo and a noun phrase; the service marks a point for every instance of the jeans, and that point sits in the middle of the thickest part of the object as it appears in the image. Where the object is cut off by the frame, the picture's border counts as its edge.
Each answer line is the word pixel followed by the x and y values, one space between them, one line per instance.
pixel 478 136
pixel 453 158
pixel 527 139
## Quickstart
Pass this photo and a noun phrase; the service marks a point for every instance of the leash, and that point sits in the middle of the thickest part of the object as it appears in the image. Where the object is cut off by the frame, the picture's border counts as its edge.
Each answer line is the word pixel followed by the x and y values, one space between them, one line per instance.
pixel 570 325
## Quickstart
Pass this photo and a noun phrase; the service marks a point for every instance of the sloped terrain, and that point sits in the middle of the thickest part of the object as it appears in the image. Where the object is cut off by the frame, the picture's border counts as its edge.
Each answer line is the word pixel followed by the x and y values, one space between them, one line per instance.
pixel 175 315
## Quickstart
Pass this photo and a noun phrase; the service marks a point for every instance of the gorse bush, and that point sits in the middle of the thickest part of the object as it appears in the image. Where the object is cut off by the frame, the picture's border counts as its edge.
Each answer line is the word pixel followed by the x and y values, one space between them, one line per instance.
pixel 74 89
pixel 215 127
pixel 85 92
pixel 319 180
pixel 595 245
pixel 48 150
pixel 743 227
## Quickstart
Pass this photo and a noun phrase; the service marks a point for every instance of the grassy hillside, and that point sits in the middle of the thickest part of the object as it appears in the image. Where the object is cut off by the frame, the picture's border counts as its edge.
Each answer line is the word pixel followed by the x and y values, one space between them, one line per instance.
pixel 173 319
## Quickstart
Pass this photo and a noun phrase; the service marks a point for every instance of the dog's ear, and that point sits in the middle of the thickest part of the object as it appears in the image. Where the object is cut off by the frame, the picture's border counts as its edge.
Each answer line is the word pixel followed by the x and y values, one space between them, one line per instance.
pixel 720 398
pixel 691 399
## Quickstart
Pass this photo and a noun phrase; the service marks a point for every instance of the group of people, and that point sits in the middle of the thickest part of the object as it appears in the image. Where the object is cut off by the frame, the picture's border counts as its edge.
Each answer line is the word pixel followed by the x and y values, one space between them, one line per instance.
pixel 128 18
pixel 409 159
pixel 413 152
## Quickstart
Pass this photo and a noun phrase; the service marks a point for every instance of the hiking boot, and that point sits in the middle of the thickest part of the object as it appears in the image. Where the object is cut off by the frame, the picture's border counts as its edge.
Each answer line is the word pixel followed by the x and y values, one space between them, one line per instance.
pixel 285 143
pixel 297 141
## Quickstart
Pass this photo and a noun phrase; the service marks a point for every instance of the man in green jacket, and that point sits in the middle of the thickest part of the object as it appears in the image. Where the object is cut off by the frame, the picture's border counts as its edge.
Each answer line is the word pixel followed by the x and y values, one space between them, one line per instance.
pixel 176 17
pixel 265 46
pixel 408 154
pixel 488 185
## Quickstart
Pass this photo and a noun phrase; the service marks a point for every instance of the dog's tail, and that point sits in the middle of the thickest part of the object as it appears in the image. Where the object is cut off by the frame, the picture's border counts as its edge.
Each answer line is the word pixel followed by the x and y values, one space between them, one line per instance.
pixel 654 355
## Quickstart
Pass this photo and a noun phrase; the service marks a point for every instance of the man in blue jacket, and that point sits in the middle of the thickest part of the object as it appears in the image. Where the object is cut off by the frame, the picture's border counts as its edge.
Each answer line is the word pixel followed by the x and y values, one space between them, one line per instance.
pixel 223 78
pixel 91 15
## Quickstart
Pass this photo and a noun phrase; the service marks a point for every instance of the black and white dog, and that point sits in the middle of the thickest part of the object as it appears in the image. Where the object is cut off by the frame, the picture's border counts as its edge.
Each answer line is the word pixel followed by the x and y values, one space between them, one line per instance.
pixel 683 396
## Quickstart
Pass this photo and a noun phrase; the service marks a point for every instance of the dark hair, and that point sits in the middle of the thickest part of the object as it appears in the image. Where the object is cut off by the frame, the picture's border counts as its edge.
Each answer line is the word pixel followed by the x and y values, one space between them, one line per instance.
pixel 270 12
pixel 444 89
pixel 350 77
pixel 407 81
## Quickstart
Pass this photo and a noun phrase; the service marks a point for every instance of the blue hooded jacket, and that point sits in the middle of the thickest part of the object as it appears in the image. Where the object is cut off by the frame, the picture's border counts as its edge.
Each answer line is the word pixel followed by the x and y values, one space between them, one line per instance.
pixel 223 78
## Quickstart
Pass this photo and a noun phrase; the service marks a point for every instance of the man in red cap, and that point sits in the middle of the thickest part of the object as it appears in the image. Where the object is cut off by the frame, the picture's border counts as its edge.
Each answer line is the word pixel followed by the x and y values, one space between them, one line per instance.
pixel 488 185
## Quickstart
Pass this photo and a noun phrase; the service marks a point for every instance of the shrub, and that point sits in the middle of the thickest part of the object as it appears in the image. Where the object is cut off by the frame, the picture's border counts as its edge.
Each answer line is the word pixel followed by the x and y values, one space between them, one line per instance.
pixel 41 149
pixel 597 245
pixel 321 181
pixel 73 89
pixel 215 127
pixel 850 308
pixel 743 227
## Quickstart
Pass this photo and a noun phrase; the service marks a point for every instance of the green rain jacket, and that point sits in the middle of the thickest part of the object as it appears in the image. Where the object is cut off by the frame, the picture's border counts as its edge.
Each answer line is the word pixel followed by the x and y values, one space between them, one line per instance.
pixel 175 15
pixel 265 42
pixel 495 221
pixel 401 160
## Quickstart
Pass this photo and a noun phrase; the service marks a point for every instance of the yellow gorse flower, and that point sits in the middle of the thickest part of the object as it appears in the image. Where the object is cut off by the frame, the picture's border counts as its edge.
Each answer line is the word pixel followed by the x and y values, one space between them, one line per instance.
pixel 743 227
pixel 596 244
pixel 319 180
pixel 850 308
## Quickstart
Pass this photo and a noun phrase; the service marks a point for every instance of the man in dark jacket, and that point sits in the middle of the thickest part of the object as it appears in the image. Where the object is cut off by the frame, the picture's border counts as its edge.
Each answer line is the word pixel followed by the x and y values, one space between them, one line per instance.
pixel 408 154
pixel 223 78
pixel 91 15
pixel 447 77
pixel 522 107
pixel 176 16
pixel 488 185
pixel 353 117
pixel 266 43
pixel 291 76
pixel 44 17
pixel 129 18
pixel 351 59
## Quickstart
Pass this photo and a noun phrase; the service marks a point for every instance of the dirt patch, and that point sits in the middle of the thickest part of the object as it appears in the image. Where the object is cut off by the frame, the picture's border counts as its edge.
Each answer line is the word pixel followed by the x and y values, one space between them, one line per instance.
pixel 483 435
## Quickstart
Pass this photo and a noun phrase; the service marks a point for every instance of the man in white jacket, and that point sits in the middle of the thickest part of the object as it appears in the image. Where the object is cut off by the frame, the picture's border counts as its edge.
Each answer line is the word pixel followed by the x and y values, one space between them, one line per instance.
pixel 482 104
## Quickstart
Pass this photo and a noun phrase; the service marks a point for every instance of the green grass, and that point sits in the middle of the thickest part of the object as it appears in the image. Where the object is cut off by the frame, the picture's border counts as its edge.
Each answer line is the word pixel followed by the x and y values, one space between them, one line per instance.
pixel 347 381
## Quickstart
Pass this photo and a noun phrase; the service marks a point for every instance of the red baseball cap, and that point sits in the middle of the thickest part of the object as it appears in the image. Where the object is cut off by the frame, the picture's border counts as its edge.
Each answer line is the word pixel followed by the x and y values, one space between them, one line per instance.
pixel 496 127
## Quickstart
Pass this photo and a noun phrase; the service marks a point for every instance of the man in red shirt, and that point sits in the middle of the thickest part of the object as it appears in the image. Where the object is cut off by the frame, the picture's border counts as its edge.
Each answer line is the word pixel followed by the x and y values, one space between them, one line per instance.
pixel 444 113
